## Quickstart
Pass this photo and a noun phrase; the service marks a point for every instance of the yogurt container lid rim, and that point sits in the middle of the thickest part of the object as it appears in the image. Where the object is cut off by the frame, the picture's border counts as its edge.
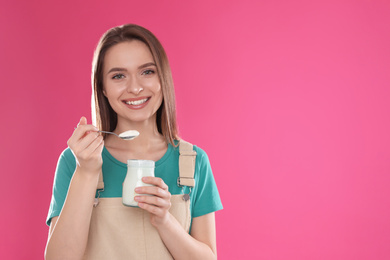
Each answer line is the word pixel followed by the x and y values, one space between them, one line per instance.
pixel 134 162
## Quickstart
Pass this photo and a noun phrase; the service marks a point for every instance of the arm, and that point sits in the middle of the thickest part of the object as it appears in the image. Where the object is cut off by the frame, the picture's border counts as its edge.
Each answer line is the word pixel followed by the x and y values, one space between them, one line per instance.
pixel 201 244
pixel 68 233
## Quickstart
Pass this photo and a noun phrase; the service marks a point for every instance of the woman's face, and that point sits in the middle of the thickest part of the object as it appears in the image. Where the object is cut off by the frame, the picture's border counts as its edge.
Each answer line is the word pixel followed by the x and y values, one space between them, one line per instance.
pixel 130 81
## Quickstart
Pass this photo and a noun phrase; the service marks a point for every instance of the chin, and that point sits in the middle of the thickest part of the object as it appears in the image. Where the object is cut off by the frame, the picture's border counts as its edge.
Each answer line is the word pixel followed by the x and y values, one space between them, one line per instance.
pixel 140 118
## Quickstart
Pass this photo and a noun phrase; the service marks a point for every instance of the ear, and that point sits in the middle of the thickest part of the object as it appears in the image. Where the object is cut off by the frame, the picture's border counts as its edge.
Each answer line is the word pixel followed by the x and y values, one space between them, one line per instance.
pixel 104 93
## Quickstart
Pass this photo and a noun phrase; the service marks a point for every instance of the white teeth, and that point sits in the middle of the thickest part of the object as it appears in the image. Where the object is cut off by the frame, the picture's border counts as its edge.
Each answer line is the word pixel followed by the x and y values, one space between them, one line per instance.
pixel 137 102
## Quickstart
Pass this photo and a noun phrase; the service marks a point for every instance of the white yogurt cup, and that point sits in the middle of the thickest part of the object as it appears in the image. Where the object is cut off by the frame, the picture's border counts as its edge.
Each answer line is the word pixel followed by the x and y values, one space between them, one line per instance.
pixel 136 169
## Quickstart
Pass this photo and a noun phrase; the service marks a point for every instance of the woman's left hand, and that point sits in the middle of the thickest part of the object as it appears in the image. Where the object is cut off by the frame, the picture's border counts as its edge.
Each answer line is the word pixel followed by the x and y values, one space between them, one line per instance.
pixel 159 204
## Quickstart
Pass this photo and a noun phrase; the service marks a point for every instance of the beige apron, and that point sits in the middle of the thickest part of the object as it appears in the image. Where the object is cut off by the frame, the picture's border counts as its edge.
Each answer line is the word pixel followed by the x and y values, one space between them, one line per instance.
pixel 118 232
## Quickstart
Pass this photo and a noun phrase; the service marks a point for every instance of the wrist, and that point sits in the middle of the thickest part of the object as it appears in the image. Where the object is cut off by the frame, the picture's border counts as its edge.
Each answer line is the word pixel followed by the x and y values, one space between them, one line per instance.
pixel 87 174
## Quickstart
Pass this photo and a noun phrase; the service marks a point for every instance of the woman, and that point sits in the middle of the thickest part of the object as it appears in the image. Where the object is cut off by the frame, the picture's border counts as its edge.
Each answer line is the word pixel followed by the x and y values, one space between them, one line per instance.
pixel 132 90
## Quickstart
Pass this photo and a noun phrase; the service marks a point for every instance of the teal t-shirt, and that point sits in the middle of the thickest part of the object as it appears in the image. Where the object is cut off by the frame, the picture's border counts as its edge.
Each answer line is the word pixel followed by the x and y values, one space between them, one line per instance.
pixel 204 196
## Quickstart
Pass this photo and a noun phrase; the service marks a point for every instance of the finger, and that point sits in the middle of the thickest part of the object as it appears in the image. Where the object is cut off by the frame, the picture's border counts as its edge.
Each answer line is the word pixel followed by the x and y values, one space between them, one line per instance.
pixel 92 152
pixel 156 182
pixel 79 146
pixel 83 121
pixel 89 143
pixel 81 132
pixel 95 146
pixel 153 200
pixel 151 209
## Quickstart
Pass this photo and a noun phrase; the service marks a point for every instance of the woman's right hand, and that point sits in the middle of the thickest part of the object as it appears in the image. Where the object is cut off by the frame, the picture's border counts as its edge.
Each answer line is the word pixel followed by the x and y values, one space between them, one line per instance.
pixel 87 145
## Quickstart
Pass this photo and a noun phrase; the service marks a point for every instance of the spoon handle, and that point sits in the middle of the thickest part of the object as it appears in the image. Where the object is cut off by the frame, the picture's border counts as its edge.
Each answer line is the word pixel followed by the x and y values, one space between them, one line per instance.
pixel 104 132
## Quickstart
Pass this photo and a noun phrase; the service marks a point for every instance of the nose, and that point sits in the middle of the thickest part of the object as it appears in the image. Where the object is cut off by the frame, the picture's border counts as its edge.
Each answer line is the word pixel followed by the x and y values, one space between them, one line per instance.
pixel 134 87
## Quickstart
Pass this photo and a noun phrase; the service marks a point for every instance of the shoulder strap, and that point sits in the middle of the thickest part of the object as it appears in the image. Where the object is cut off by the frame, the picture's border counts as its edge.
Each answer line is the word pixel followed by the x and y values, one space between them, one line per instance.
pixel 187 160
pixel 100 185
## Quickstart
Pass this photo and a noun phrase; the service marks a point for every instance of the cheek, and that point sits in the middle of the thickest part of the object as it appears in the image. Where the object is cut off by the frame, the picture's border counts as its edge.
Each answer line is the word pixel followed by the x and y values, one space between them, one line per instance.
pixel 159 91
pixel 113 90
pixel 160 99
pixel 159 94
pixel 155 87
pixel 158 87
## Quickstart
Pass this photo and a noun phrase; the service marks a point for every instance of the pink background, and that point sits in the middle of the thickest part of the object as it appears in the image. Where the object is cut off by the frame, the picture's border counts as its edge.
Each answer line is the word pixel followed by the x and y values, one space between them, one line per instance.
pixel 290 99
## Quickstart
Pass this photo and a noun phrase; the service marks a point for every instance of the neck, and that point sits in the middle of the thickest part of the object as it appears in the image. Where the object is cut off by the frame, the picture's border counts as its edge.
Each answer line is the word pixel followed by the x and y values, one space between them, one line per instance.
pixel 148 138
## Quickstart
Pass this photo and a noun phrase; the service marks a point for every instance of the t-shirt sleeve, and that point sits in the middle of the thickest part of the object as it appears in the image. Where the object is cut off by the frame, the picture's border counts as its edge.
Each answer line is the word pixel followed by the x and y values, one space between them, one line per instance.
pixel 65 168
pixel 206 197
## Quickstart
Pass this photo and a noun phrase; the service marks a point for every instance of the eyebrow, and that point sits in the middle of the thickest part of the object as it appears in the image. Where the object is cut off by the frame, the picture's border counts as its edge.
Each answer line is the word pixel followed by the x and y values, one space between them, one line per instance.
pixel 147 65
pixel 140 67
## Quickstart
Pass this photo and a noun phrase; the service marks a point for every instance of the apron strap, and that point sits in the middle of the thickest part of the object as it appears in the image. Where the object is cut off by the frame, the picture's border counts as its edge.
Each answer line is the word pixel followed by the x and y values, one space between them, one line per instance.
pixel 99 188
pixel 186 164
pixel 187 160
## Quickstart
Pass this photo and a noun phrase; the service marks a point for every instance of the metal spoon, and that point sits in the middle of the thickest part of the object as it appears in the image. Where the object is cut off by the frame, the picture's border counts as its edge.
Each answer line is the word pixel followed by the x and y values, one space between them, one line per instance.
pixel 128 135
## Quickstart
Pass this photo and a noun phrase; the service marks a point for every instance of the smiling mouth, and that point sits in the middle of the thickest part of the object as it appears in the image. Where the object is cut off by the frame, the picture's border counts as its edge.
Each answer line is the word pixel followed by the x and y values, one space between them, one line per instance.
pixel 137 102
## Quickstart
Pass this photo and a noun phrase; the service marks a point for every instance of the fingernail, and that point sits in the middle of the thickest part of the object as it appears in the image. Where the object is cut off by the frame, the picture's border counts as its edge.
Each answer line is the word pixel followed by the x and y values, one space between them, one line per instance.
pixel 137 190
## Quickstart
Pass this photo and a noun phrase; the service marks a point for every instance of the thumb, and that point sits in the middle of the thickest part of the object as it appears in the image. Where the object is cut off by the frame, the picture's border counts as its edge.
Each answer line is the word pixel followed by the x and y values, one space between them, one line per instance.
pixel 83 121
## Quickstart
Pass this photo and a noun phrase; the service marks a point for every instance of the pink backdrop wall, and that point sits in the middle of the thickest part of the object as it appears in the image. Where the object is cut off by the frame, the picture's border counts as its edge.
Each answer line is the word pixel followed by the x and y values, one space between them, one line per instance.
pixel 289 98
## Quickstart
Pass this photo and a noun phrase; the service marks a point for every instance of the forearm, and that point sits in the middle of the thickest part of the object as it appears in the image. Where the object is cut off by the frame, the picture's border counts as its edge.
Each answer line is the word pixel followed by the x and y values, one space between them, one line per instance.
pixel 181 244
pixel 69 236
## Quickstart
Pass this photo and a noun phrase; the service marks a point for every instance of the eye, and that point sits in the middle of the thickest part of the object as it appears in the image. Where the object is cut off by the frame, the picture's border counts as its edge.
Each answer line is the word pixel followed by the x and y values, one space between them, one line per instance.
pixel 118 76
pixel 148 72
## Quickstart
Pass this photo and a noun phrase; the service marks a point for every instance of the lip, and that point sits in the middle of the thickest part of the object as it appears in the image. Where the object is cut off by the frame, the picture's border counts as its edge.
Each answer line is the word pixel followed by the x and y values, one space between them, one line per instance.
pixel 135 107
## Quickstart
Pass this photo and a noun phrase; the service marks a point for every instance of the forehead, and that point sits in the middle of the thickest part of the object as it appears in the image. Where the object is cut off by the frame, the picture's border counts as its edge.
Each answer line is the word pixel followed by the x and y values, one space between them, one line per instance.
pixel 129 54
